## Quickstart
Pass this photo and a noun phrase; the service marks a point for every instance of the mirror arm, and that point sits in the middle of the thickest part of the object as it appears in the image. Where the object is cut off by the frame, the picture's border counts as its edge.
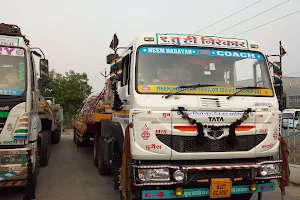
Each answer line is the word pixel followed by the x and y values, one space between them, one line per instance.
pixel 44 57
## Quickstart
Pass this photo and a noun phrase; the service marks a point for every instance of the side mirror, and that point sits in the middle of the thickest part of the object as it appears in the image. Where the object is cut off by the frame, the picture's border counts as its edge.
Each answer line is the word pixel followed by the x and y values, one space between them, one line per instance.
pixel 44 68
pixel 44 72
pixel 277 73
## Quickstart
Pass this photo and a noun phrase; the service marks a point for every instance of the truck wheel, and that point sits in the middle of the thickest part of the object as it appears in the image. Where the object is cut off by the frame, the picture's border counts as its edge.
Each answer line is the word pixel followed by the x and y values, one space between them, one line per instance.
pixel 117 162
pixel 95 149
pixel 45 147
pixel 241 196
pixel 102 168
pixel 56 136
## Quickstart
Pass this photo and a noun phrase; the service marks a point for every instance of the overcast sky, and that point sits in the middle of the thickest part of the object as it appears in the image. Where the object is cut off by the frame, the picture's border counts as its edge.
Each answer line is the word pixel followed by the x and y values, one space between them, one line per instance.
pixel 75 34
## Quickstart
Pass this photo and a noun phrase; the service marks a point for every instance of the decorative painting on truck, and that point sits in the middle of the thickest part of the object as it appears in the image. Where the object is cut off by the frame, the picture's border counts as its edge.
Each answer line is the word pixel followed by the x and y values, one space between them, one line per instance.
pixel 163 69
pixel 162 89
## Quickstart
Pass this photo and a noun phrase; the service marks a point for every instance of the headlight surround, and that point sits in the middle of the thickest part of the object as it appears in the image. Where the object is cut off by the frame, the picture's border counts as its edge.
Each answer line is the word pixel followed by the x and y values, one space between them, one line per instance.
pixel 269 169
pixel 162 174
pixel 11 160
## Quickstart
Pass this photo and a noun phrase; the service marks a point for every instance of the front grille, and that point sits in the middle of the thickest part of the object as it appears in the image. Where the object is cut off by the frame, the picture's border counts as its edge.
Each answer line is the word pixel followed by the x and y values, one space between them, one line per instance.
pixel 2 123
pixel 196 175
pixel 185 144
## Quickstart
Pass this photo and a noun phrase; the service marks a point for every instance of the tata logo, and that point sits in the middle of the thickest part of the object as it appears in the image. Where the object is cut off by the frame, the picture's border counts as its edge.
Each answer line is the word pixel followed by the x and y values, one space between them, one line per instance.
pixel 216 119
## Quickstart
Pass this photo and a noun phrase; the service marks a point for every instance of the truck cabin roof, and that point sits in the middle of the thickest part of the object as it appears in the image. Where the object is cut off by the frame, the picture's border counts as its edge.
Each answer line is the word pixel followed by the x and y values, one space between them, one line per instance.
pixel 12 30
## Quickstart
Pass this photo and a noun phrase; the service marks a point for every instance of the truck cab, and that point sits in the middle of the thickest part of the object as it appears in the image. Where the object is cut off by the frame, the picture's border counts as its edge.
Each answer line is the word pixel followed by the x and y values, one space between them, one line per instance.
pixel 20 125
pixel 191 113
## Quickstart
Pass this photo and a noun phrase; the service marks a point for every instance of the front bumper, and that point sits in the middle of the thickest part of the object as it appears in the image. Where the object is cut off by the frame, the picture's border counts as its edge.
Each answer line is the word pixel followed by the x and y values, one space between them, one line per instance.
pixel 204 192
pixel 198 179
pixel 12 175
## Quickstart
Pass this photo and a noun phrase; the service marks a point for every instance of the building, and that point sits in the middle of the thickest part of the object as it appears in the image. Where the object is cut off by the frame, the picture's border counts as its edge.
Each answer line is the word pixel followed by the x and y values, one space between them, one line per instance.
pixel 291 90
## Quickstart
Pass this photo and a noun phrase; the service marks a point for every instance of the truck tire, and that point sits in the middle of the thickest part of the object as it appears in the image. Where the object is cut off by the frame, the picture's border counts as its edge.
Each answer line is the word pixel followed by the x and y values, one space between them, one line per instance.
pixel 117 162
pixel 45 148
pixel 56 136
pixel 95 149
pixel 102 167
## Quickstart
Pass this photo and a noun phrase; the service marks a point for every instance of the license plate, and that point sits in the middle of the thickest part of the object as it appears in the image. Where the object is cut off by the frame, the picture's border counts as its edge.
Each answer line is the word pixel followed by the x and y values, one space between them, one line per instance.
pixel 220 188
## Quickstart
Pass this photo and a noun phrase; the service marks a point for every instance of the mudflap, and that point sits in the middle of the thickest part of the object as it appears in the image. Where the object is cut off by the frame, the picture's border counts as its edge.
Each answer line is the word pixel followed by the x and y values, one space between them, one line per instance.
pixel 31 181
pixel 126 168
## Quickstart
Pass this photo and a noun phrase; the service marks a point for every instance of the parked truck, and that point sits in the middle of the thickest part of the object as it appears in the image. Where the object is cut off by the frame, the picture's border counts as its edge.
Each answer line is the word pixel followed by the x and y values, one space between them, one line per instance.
pixel 22 137
pixel 51 116
pixel 185 116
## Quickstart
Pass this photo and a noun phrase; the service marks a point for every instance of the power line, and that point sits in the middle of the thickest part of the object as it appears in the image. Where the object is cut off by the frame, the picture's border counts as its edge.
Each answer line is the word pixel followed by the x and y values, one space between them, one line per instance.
pixel 228 16
pixel 267 23
pixel 252 17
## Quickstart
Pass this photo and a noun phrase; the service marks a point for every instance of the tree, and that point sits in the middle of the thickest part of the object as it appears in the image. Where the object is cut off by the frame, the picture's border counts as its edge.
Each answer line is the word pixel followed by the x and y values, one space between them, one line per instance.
pixel 69 90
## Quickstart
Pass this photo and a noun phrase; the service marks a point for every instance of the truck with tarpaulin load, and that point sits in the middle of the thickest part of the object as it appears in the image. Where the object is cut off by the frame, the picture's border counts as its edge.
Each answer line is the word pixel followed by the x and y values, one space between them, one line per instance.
pixel 185 116
pixel 21 135
pixel 51 116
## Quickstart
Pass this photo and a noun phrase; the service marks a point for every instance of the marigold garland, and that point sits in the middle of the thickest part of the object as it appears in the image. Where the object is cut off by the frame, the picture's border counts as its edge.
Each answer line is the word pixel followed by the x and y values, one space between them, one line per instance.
pixel 231 139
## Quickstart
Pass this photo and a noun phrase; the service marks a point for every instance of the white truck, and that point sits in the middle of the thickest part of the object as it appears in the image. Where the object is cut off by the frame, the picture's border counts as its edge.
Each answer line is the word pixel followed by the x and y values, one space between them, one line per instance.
pixel 21 135
pixel 193 116
pixel 290 118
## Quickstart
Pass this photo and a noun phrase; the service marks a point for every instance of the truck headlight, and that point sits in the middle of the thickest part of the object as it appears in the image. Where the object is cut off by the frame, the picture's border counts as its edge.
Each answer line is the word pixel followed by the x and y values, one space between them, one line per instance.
pixel 269 169
pixel 178 176
pixel 11 160
pixel 154 174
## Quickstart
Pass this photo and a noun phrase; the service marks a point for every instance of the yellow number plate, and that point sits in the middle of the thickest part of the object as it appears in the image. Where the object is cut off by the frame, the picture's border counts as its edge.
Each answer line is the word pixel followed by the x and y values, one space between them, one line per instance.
pixel 220 188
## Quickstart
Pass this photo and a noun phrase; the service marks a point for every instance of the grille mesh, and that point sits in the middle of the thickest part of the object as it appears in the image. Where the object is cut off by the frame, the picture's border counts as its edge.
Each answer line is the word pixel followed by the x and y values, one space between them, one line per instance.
pixel 184 144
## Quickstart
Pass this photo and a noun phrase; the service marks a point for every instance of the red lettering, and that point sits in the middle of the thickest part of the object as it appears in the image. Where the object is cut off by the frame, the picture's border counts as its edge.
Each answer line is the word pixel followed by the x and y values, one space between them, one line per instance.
pixel 165 115
pixel 153 146
pixel 267 146
pixel 164 38
pixel 160 131
pixel 264 130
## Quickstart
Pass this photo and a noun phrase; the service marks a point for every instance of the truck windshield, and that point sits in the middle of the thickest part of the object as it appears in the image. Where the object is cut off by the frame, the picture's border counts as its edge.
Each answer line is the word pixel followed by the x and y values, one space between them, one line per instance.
pixel 287 115
pixel 161 69
pixel 12 71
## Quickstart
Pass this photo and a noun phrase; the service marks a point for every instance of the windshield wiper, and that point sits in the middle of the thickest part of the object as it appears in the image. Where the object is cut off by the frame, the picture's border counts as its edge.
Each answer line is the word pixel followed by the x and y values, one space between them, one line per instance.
pixel 244 88
pixel 184 87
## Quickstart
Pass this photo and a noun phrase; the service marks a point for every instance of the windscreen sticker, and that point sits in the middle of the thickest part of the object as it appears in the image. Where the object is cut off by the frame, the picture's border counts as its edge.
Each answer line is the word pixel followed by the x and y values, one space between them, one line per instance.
pixel 204 90
pixel 200 52
pixel 21 74
pixel 13 92
pixel 11 51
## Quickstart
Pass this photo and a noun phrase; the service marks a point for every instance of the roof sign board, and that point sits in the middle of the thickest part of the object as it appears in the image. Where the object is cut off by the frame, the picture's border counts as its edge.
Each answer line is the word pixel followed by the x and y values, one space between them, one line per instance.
pixel 9 41
pixel 198 40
